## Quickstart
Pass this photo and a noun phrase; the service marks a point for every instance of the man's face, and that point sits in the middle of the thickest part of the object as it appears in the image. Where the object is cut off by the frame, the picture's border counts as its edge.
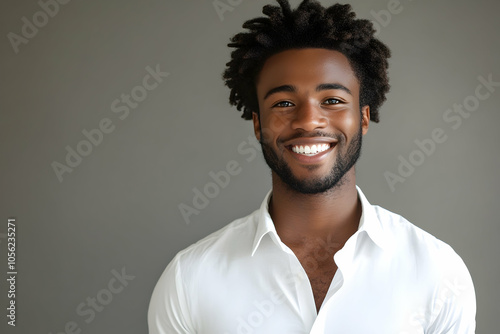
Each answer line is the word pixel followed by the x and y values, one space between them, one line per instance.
pixel 310 126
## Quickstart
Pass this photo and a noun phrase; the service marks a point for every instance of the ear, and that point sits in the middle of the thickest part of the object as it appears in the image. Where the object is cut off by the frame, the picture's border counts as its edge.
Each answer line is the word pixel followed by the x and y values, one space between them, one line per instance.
pixel 256 125
pixel 365 119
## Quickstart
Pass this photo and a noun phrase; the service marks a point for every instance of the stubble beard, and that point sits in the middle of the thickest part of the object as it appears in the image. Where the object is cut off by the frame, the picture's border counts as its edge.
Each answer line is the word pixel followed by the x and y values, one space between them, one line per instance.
pixel 316 185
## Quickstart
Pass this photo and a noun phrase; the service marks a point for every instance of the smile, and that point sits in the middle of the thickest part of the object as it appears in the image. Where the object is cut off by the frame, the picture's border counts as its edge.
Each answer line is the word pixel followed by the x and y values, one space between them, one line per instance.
pixel 310 150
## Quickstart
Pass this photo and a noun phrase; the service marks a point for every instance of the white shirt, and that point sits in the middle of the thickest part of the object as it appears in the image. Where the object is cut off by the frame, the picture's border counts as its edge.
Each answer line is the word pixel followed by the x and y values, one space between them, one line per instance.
pixel 392 278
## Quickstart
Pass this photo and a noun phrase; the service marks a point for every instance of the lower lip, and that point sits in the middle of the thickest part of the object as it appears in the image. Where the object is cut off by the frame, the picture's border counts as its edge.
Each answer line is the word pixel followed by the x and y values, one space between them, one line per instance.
pixel 311 159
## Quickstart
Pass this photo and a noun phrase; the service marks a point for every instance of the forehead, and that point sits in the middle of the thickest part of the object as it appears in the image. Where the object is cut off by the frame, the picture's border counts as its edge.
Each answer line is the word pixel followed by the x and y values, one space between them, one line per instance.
pixel 306 67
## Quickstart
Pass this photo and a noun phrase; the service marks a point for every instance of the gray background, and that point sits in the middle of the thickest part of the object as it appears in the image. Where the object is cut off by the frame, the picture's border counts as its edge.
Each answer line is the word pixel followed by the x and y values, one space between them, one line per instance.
pixel 119 207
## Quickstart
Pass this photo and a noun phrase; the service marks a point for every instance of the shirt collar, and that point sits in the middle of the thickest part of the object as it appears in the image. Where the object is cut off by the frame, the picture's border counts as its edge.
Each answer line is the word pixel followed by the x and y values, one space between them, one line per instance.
pixel 372 225
pixel 369 223
pixel 265 224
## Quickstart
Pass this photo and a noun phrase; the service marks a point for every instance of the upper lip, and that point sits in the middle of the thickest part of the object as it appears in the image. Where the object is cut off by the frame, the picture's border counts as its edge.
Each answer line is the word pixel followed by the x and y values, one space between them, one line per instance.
pixel 303 141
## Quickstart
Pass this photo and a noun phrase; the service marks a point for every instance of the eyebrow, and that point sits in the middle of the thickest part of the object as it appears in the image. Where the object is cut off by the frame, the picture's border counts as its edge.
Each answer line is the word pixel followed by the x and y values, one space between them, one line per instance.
pixel 292 89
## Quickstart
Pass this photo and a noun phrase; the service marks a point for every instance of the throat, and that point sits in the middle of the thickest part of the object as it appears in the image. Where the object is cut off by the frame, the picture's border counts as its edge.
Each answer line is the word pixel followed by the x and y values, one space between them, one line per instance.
pixel 312 218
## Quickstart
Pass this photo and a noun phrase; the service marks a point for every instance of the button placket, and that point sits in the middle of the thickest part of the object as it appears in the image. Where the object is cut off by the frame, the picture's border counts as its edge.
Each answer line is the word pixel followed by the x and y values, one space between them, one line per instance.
pixel 305 298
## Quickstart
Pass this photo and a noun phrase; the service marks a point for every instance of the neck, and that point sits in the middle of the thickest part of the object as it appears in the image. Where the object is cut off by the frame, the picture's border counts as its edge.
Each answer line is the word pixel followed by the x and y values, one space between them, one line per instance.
pixel 305 218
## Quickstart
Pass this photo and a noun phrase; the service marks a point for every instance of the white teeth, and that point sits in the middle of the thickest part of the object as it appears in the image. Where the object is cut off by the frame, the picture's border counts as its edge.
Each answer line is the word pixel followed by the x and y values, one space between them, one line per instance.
pixel 310 150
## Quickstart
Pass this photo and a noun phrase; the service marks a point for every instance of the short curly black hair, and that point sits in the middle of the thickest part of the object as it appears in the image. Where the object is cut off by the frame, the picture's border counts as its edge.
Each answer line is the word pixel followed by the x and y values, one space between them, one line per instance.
pixel 310 25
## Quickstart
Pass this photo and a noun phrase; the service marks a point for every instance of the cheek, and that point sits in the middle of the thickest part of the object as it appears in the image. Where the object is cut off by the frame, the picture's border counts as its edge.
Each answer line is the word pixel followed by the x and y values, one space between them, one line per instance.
pixel 347 122
pixel 272 126
pixel 276 123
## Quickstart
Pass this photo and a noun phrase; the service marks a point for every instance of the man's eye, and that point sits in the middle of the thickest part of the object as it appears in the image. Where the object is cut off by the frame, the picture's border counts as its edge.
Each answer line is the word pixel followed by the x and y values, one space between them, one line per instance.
pixel 332 101
pixel 283 104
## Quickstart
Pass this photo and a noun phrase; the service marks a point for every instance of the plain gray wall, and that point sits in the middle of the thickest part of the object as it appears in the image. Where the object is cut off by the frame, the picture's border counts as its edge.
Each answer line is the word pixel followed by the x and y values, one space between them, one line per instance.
pixel 119 208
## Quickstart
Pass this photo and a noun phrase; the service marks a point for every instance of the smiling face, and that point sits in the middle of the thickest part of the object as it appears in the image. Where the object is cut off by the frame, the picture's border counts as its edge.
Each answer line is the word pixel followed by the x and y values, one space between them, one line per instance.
pixel 310 124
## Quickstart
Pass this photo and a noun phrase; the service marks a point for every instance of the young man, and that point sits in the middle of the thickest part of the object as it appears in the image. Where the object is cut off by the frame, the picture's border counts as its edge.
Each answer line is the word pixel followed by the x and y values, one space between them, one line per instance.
pixel 316 257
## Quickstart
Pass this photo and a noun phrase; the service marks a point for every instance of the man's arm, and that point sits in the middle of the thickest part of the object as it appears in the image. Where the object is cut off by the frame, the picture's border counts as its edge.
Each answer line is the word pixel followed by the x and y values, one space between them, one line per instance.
pixel 168 312
pixel 455 302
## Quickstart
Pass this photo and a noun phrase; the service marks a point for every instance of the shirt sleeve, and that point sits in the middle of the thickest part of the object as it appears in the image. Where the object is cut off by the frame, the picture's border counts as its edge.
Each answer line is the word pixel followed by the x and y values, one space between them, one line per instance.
pixel 455 301
pixel 168 309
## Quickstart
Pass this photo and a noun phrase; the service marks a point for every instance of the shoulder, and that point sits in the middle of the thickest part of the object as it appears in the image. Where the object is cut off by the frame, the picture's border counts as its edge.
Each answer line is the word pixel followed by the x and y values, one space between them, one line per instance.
pixel 436 265
pixel 420 245
pixel 233 235
pixel 404 232
pixel 173 296
pixel 232 239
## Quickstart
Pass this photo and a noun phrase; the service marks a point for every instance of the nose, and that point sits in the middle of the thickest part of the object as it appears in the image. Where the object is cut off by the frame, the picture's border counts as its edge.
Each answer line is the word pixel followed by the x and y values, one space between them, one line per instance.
pixel 309 117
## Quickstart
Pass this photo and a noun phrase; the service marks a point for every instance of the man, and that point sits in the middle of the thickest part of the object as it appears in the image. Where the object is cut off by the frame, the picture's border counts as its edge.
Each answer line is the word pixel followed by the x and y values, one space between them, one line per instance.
pixel 317 257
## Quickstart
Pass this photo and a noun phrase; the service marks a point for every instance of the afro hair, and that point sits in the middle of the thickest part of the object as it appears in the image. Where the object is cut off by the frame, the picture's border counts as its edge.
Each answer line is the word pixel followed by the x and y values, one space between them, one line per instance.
pixel 310 25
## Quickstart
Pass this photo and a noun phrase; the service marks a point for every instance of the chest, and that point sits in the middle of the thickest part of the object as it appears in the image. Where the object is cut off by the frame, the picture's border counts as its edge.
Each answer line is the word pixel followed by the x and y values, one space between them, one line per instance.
pixel 275 292
pixel 320 270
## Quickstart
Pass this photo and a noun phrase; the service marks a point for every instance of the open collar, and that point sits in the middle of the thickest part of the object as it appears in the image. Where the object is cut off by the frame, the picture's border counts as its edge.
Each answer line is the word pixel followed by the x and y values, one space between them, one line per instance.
pixel 369 222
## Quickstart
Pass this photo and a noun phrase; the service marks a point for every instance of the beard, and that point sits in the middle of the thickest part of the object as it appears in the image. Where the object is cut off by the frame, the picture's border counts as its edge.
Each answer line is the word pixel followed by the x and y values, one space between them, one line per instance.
pixel 315 185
